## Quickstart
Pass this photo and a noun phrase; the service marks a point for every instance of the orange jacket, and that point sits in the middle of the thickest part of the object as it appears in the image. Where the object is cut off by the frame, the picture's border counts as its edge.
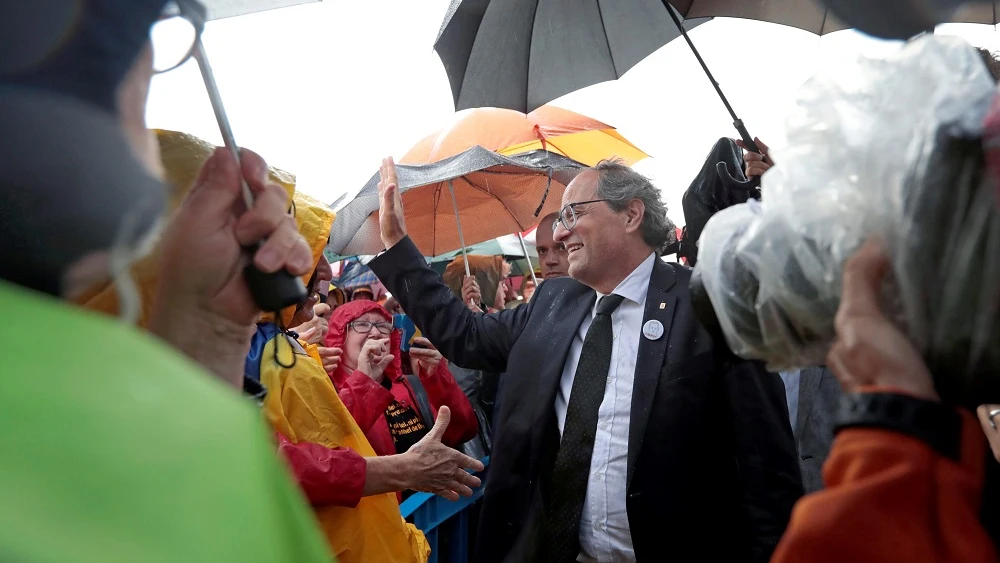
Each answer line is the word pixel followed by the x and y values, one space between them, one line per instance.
pixel 891 497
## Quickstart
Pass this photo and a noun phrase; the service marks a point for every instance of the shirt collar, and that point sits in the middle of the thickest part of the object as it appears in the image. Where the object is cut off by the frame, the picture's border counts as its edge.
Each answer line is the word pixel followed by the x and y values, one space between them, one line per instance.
pixel 634 286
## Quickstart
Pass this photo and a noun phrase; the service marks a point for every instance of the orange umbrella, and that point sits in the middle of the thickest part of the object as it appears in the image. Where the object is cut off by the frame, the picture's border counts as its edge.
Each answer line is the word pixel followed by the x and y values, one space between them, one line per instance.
pixel 510 132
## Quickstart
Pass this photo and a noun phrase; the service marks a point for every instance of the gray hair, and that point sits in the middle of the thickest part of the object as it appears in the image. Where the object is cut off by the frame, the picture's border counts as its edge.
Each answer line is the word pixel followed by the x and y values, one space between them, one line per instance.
pixel 619 184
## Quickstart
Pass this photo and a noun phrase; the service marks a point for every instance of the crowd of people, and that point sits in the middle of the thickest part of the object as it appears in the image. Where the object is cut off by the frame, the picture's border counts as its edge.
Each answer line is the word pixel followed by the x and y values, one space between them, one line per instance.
pixel 617 427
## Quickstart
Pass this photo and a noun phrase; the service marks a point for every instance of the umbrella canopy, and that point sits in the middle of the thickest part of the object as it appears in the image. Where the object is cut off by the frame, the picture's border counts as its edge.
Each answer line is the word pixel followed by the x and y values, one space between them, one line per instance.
pixel 809 15
pixel 522 54
pixel 355 274
pixel 219 9
pixel 507 246
pixel 897 19
pixel 494 194
pixel 511 132
pixel 902 19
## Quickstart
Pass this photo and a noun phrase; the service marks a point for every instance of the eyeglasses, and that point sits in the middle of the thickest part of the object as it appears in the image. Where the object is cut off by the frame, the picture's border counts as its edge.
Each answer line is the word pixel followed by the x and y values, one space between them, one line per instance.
pixel 568 215
pixel 364 327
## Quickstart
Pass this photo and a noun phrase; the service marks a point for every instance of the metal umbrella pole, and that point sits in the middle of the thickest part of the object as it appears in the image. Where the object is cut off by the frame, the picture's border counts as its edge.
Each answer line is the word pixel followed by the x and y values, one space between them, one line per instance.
pixel 524 249
pixel 271 291
pixel 458 221
pixel 737 122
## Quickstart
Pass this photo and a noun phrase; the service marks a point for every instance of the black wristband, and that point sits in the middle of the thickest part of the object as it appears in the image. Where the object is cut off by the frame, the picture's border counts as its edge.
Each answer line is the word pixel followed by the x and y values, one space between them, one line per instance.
pixel 933 423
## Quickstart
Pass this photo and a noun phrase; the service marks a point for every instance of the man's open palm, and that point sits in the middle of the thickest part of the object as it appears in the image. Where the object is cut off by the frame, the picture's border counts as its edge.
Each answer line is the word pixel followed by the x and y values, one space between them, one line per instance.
pixel 390 209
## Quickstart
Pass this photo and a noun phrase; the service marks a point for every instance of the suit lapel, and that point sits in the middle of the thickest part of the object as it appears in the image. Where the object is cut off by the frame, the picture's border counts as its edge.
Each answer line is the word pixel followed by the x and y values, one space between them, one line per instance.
pixel 660 307
pixel 561 328
pixel 809 380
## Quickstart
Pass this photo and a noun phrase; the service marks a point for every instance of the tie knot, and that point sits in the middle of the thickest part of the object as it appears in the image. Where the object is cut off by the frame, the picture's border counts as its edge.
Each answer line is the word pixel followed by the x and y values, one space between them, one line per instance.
pixel 608 304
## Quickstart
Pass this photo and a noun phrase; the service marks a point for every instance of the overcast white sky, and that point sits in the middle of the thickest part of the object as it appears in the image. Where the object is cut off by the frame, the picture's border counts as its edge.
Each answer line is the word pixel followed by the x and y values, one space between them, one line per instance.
pixel 326 90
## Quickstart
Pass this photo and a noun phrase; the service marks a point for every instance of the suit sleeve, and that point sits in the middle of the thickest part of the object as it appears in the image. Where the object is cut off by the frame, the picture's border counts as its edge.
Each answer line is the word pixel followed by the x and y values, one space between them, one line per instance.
pixel 364 399
pixel 327 476
pixel 471 340
pixel 891 497
pixel 443 391
pixel 765 453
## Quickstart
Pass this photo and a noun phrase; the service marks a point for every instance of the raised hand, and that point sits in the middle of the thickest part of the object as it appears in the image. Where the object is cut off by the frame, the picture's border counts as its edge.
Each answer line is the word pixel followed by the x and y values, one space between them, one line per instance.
pixel 330 357
pixel 202 289
pixel 436 468
pixel 471 295
pixel 374 358
pixel 390 209
pixel 426 358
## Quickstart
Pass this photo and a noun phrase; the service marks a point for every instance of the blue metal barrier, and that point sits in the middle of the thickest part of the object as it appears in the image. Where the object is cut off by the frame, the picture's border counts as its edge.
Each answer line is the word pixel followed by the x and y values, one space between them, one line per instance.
pixel 443 522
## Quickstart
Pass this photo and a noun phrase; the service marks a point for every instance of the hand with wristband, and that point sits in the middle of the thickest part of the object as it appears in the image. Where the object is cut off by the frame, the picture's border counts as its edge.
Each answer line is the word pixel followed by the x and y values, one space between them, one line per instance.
pixel 904 478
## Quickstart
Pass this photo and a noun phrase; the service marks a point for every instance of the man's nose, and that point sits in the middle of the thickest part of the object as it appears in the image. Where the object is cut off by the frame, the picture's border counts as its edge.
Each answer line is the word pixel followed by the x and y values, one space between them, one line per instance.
pixel 560 234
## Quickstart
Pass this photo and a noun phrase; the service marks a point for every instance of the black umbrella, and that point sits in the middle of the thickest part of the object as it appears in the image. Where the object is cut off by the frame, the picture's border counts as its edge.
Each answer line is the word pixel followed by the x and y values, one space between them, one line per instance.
pixel 902 19
pixel 522 54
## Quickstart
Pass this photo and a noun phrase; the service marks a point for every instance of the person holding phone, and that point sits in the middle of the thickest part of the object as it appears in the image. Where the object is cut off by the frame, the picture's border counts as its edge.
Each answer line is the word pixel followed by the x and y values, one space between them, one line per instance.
pixel 370 380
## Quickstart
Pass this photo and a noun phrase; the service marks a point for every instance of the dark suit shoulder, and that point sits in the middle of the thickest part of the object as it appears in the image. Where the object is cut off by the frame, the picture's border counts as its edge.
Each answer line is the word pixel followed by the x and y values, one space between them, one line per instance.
pixel 560 288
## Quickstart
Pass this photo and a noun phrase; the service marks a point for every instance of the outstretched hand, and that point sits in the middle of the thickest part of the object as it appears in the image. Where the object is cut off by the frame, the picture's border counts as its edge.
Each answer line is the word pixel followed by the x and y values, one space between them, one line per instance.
pixel 390 209
pixel 436 468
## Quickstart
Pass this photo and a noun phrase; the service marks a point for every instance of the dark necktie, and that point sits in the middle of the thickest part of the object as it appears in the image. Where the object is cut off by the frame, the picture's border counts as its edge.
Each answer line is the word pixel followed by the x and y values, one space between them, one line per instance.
pixel 572 466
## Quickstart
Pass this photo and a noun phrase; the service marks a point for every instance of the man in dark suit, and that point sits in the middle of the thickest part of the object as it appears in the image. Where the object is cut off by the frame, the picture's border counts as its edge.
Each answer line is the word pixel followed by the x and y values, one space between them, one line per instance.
pixel 813 398
pixel 626 432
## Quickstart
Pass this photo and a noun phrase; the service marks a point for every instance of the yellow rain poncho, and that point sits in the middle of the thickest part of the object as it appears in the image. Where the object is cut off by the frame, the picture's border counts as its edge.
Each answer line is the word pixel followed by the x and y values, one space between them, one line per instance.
pixel 302 405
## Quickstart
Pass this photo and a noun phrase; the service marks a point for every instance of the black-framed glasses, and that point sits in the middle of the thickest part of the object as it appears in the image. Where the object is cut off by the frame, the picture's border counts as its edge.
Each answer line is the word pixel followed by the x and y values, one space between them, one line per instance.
pixel 176 34
pixel 568 215
pixel 364 327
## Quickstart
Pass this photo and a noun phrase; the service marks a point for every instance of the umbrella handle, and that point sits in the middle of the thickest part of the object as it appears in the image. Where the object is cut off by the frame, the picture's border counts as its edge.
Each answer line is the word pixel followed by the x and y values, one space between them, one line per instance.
pixel 727 178
pixel 745 136
pixel 524 250
pixel 731 182
pixel 270 291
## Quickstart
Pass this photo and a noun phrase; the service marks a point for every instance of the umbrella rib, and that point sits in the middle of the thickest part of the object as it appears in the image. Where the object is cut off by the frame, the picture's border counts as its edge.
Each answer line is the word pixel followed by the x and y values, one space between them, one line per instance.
pixel 437 200
pixel 559 149
pixel 607 41
pixel 500 201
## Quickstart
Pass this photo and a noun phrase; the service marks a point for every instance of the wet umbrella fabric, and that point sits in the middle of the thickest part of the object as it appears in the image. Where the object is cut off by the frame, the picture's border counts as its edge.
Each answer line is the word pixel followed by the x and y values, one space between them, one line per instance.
pixel 495 195
pixel 522 54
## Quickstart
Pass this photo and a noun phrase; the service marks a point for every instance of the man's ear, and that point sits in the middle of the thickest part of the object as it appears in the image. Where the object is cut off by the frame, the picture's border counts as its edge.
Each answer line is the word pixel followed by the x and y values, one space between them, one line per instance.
pixel 634 213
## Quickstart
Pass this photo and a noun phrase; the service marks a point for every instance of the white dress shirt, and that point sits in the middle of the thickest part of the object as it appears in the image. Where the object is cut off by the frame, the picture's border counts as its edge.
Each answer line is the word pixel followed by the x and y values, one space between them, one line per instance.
pixel 791 380
pixel 604 529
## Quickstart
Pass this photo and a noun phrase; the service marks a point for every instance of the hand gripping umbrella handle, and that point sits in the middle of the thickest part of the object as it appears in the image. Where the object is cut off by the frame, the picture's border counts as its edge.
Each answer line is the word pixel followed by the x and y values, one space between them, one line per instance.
pixel 270 291
pixel 745 135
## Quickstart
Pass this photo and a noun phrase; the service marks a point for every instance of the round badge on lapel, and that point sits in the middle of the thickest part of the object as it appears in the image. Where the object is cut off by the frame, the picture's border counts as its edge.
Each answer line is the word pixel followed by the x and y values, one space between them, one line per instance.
pixel 652 330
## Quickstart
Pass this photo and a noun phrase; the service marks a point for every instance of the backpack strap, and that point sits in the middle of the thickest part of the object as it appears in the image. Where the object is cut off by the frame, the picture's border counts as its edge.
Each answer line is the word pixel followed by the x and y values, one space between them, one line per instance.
pixel 423 402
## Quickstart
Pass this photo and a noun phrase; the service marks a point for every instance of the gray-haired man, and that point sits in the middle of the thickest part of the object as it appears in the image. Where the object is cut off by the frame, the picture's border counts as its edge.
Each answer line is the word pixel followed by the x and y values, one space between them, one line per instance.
pixel 627 434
